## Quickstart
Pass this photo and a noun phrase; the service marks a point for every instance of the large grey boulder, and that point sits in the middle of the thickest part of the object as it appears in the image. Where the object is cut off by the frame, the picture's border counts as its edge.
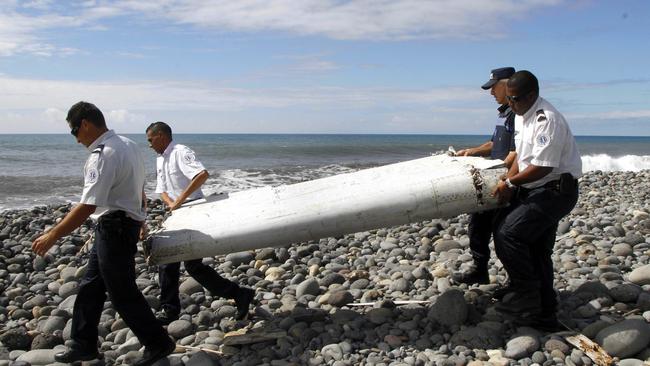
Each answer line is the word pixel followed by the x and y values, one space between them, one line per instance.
pixel 450 308
pixel 625 338
pixel 38 357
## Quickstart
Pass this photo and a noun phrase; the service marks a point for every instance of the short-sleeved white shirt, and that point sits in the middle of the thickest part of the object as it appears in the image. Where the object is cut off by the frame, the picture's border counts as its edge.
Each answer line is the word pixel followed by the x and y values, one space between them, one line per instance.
pixel 175 169
pixel 518 122
pixel 546 140
pixel 114 176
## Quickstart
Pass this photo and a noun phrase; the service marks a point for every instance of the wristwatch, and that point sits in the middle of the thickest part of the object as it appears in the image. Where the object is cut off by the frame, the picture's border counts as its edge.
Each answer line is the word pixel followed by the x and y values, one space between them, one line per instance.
pixel 509 183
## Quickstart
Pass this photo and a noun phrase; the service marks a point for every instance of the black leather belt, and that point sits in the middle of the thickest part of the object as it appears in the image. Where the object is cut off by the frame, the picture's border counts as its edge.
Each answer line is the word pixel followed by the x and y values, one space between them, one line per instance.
pixel 554 184
pixel 116 215
pixel 566 179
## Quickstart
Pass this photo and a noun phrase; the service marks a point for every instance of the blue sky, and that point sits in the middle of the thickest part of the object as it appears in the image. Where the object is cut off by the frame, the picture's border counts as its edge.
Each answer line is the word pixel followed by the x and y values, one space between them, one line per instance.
pixel 326 66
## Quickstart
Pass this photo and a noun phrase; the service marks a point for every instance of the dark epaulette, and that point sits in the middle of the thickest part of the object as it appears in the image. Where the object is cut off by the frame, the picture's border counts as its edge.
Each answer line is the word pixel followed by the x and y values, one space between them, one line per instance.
pixel 98 149
pixel 541 117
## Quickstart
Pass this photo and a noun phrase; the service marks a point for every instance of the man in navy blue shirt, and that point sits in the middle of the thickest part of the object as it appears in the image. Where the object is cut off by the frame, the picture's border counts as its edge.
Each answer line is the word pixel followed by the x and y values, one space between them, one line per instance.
pixel 501 146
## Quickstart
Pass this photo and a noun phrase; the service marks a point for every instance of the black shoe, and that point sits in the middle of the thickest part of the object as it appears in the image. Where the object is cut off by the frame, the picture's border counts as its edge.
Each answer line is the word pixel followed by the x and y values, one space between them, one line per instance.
pixel 522 304
pixel 545 322
pixel 243 300
pixel 151 355
pixel 165 317
pixel 500 293
pixel 475 276
pixel 74 355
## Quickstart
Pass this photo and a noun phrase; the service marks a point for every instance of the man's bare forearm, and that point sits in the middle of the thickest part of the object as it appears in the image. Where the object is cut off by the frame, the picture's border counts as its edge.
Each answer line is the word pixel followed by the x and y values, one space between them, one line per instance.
pixel 531 174
pixel 481 150
pixel 195 184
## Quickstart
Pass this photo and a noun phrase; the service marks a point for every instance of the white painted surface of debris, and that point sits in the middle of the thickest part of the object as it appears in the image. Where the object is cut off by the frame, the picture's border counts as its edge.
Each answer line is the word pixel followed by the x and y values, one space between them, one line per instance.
pixel 412 191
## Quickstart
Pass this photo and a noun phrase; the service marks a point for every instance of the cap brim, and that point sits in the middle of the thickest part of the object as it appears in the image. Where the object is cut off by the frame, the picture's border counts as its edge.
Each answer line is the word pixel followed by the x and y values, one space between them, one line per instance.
pixel 489 84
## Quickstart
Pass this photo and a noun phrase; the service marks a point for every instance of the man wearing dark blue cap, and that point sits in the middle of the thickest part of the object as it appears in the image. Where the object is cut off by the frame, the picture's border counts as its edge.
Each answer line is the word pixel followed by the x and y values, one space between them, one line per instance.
pixel 501 146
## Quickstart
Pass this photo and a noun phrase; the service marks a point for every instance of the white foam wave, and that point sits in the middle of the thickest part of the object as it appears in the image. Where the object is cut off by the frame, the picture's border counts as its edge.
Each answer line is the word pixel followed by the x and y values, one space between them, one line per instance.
pixel 234 180
pixel 606 163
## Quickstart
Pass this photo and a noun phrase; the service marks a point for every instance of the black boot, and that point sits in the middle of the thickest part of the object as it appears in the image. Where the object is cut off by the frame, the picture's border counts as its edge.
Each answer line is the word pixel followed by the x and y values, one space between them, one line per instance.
pixel 545 321
pixel 521 303
pixel 501 292
pixel 243 300
pixel 74 355
pixel 166 316
pixel 153 354
pixel 478 275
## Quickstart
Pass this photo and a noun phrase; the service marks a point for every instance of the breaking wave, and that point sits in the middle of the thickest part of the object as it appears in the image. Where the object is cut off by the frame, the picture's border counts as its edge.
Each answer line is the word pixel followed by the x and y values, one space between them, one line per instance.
pixel 606 163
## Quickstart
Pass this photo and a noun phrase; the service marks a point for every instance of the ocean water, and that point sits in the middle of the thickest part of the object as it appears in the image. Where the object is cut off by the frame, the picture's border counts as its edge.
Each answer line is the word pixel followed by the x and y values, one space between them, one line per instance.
pixel 47 169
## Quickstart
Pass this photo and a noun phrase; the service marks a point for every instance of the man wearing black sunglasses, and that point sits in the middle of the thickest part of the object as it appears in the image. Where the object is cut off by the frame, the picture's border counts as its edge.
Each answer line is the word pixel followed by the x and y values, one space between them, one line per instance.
pixel 501 146
pixel 113 191
pixel 541 187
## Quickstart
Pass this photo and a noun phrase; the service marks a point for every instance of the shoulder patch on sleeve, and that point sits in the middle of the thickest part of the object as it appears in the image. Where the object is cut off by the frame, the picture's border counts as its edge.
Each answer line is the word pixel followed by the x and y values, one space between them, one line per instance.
pixel 92 166
pixel 98 149
pixel 541 117
pixel 188 157
pixel 91 175
pixel 543 139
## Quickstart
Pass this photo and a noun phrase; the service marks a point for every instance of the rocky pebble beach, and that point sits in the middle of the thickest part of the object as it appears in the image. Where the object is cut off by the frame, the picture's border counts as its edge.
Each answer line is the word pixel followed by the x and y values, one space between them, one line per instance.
pixel 302 314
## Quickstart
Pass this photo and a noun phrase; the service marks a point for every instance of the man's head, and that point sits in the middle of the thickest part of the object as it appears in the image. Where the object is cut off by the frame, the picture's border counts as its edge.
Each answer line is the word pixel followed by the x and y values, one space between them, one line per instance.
pixel 522 91
pixel 86 122
pixel 497 83
pixel 159 135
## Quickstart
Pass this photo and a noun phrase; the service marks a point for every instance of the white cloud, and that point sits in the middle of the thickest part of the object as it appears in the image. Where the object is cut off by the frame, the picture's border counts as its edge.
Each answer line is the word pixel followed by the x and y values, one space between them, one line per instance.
pixel 124 117
pixel 134 55
pixel 130 105
pixel 37 4
pixel 613 115
pixel 316 65
pixel 53 115
pixel 559 86
pixel 174 95
pixel 19 33
pixel 24 31
pixel 356 19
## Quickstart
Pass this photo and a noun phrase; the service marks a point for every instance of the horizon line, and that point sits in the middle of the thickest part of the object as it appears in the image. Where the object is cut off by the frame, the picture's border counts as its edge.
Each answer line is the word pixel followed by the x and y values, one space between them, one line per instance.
pixel 301 134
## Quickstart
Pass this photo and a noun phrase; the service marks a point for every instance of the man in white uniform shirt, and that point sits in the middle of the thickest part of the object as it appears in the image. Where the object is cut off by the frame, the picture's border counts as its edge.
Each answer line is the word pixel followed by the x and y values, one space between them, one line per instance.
pixel 542 188
pixel 179 179
pixel 113 189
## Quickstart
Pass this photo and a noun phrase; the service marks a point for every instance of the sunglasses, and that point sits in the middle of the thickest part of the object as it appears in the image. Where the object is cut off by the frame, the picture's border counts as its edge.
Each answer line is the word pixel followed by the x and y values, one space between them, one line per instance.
pixel 75 130
pixel 517 98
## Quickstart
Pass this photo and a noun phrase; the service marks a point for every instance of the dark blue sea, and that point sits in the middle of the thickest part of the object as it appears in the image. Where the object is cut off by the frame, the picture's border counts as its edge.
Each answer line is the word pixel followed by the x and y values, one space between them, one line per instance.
pixel 45 169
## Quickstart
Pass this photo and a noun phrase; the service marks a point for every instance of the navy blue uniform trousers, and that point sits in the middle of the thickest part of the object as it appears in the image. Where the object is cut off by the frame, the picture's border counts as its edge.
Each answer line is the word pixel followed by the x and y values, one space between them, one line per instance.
pixel 203 274
pixel 525 235
pixel 111 268
pixel 480 230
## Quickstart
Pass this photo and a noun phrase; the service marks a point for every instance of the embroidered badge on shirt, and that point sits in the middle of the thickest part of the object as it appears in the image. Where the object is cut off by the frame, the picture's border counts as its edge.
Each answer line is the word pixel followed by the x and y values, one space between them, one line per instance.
pixel 189 158
pixel 91 175
pixel 542 139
